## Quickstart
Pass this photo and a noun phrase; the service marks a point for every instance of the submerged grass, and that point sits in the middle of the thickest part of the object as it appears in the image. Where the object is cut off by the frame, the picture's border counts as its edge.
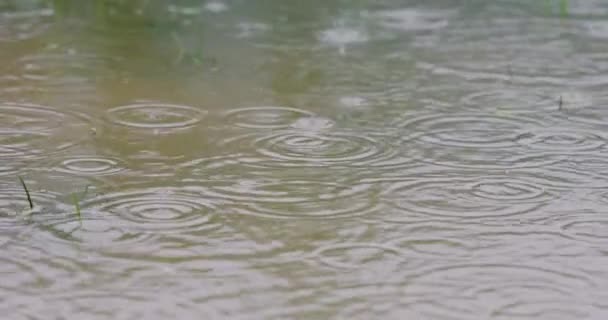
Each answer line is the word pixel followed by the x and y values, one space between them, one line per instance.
pixel 76 206
pixel 27 192
pixel 76 201
pixel 75 198
pixel 563 8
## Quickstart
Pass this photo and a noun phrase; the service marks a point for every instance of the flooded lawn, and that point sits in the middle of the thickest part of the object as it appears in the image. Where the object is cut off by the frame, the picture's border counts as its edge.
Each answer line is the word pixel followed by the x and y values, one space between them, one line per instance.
pixel 304 159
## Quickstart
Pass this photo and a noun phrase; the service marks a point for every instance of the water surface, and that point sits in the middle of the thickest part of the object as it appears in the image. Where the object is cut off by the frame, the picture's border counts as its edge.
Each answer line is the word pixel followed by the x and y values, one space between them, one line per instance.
pixel 304 160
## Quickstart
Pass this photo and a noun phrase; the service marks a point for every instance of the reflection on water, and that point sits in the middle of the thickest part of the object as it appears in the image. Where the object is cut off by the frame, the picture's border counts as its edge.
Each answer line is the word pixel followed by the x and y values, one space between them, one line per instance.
pixel 304 160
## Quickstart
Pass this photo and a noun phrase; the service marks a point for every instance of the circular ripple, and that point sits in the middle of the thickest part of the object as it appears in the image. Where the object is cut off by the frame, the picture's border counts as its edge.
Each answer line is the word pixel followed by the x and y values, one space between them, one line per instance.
pixel 296 148
pixel 31 117
pixel 29 130
pixel 595 116
pixel 476 141
pixel 561 141
pixel 95 166
pixel 298 199
pixel 509 101
pixel 354 255
pixel 155 116
pixel 488 159
pixel 314 147
pixel 431 246
pixel 589 229
pixel 467 130
pixel 499 291
pixel 266 117
pixel 467 198
pixel 167 210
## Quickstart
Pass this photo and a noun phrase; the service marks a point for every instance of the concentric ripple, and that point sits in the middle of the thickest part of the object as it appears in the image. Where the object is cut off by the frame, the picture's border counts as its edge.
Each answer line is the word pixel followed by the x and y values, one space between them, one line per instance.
pixel 466 130
pixel 155 116
pixel 298 199
pixel 94 166
pixel 464 140
pixel 500 291
pixel 595 116
pixel 269 117
pixel 305 148
pixel 589 229
pixel 355 255
pixel 320 148
pixel 510 101
pixel 158 210
pixel 467 197
pixel 562 141
pixel 27 129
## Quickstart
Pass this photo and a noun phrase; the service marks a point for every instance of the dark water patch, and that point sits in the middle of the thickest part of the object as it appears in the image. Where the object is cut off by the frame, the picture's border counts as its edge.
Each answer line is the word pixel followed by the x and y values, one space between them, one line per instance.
pixel 155 116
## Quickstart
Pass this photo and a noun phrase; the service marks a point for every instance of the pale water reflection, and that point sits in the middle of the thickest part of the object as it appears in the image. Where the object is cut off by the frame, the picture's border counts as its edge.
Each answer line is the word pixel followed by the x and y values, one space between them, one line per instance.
pixel 304 160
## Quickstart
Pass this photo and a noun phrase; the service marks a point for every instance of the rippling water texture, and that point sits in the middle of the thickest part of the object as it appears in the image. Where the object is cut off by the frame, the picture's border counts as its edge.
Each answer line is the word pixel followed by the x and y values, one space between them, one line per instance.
pixel 304 159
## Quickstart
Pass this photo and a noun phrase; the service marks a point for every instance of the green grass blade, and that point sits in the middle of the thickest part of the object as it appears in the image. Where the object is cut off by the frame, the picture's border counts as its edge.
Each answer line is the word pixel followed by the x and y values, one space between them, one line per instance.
pixel 76 206
pixel 563 8
pixel 27 192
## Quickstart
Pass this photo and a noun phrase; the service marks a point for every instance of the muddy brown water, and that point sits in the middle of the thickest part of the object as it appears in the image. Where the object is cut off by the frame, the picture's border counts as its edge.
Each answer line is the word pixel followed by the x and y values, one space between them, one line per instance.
pixel 304 160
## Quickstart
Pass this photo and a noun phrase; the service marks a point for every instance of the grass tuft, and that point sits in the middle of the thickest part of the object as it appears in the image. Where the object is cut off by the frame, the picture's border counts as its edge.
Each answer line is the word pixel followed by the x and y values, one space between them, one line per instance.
pixel 76 201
